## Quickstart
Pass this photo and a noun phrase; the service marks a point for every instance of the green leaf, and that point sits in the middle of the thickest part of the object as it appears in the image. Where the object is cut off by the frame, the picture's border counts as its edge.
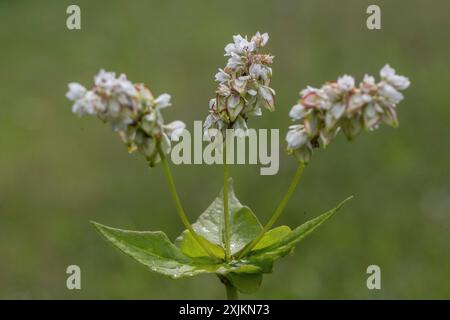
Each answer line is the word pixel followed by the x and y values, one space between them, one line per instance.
pixel 272 236
pixel 190 247
pixel 245 227
pixel 245 282
pixel 286 244
pixel 210 225
pixel 154 250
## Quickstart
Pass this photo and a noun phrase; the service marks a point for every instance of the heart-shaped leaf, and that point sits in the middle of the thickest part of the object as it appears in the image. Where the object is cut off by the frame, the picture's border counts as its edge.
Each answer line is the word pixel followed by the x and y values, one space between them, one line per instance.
pixel 210 225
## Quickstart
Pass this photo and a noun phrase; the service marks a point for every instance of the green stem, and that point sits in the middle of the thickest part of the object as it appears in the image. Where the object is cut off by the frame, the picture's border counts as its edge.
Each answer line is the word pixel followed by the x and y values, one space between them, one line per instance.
pixel 226 217
pixel 232 293
pixel 278 211
pixel 176 200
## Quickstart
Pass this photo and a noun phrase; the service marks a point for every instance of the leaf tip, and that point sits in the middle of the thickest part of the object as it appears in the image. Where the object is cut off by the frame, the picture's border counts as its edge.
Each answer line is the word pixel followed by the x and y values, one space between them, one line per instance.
pixel 346 200
pixel 340 205
pixel 98 226
pixel 95 224
pixel 349 198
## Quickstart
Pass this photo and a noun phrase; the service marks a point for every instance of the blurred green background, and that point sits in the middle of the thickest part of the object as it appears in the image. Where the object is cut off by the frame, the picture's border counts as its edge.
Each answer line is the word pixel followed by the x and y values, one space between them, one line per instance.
pixel 58 172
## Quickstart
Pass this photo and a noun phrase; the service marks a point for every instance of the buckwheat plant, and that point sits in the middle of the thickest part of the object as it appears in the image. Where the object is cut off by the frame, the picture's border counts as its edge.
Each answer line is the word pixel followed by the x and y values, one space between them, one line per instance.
pixel 227 239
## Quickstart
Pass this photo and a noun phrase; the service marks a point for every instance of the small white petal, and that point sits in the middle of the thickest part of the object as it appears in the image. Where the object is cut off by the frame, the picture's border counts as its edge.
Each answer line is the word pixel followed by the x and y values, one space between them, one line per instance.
pixel 175 129
pixel 265 39
pixel 76 91
pixel 296 138
pixel 387 71
pixel 368 79
pixel 389 92
pixel 297 112
pixel 212 103
pixel 346 82
pixel 337 110
pixel 257 112
pixel 222 76
pixel 389 75
pixel 163 101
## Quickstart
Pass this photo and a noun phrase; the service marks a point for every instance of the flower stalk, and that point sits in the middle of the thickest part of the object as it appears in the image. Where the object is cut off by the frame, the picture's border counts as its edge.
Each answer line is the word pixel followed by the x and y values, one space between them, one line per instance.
pixel 277 213
pixel 226 216
pixel 177 202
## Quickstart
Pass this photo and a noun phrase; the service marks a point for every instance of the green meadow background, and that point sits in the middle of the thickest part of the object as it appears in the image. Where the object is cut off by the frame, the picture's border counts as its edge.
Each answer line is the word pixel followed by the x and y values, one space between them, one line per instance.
pixel 58 172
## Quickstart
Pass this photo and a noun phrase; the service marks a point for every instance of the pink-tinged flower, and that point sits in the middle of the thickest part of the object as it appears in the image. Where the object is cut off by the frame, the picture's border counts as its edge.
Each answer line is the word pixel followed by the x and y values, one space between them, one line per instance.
pixel 340 106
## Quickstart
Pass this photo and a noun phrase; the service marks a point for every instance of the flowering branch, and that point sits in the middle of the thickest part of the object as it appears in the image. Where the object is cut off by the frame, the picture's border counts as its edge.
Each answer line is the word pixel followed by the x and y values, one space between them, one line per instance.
pixel 337 106
pixel 136 116
pixel 340 106
pixel 243 90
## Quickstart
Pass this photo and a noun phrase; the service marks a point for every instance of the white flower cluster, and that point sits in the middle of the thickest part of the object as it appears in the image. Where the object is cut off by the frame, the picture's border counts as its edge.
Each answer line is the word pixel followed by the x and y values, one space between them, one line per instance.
pixel 131 110
pixel 243 85
pixel 339 105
